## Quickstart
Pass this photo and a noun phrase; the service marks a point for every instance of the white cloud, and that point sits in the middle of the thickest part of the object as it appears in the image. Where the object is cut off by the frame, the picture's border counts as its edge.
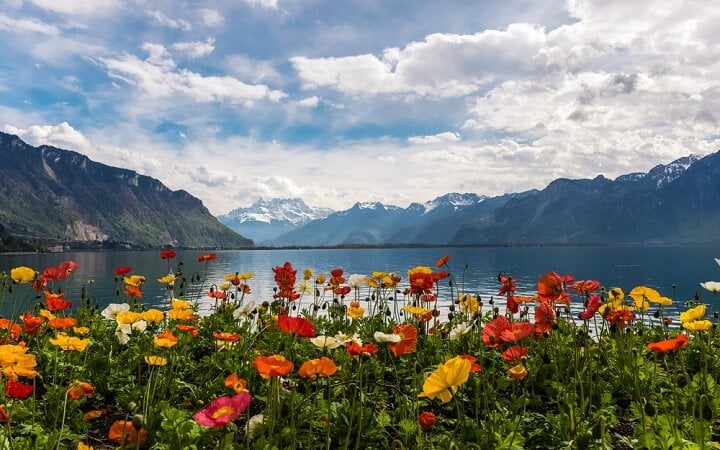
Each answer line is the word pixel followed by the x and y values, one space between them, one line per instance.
pixel 165 21
pixel 196 49
pixel 251 69
pixel 27 26
pixel 447 136
pixel 442 65
pixel 269 4
pixel 62 136
pixel 157 76
pixel 78 7
pixel 309 102
pixel 211 18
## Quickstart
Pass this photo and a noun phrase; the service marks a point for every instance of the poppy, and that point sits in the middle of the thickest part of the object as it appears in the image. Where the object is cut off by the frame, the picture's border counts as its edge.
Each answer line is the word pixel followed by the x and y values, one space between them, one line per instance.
pixel 446 379
pixel 421 280
pixel 367 349
pixel 190 329
pixel 168 279
pixel 272 366
pixel 13 328
pixel 79 389
pixel 62 322
pixel 442 261
pixel 517 372
pixel 515 354
pixel 585 286
pixel 134 280
pixel 620 316
pixel 4 416
pixel 153 360
pixel 31 324
pixel 153 315
pixel 408 339
pixel 544 317
pixel 342 290
pixel 133 291
pixel 285 280
pixel 53 274
pixel 93 414
pixel 469 303
pixel 551 288
pixel 698 325
pixel 235 383
pixel 669 345
pixel 298 326
pixel 208 257
pixel 355 310
pixel 512 304
pixel 56 302
pixel 168 254
pixel 517 331
pixel 508 284
pixel 15 362
pixel 22 274
pixel 426 420
pixel 493 329
pixel 223 410
pixel 217 295
pixel 322 367
pixel 593 304
pixel 165 339
pixel 124 432
pixel 693 313
pixel 122 270
pixel 14 389
pixel 66 342
pixel 228 337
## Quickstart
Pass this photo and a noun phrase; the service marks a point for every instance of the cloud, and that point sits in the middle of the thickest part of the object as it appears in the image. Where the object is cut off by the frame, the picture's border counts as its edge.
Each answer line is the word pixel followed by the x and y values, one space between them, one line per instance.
pixel 268 4
pixel 309 102
pixel 442 65
pixel 447 136
pixel 196 49
pixel 211 18
pixel 165 21
pixel 78 7
pixel 157 76
pixel 251 69
pixel 27 26
pixel 62 136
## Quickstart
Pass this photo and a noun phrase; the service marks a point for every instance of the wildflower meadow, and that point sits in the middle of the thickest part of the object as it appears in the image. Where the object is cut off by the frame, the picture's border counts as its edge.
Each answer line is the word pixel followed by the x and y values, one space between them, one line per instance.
pixel 335 360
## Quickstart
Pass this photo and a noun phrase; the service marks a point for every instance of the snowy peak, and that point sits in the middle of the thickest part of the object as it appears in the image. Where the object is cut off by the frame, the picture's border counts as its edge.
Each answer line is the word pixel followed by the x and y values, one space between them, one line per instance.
pixel 453 200
pixel 291 210
pixel 661 175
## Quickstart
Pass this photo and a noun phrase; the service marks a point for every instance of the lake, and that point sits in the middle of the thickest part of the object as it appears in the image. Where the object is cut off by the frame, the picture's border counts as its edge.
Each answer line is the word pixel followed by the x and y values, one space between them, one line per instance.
pixel 660 267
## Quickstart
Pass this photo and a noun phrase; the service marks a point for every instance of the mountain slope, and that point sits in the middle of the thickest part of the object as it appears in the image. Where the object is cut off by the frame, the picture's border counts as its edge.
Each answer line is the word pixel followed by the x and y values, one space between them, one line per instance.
pixel 265 220
pixel 62 195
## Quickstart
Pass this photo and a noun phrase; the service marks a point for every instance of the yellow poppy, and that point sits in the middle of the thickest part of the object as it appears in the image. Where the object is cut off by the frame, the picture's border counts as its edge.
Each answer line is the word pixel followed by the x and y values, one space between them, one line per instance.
pixel 697 325
pixel 128 317
pixel 156 360
pixel 444 381
pixel 22 274
pixel 167 279
pixel 693 314
pixel 153 315
pixel 416 310
pixel 66 342
pixel 134 280
pixel 469 303
pixel 180 314
pixel 81 330
pixel 355 310
pixel 15 362
pixel 180 304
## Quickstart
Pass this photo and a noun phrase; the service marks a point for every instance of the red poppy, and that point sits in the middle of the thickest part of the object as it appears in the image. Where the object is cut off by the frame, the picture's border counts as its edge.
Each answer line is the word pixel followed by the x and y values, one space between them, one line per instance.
pixel 218 295
pixel 133 291
pixel 593 304
pixel 619 317
pixel 124 432
pixel 208 257
pixel 168 254
pixel 551 288
pixel 122 270
pixel 336 273
pixel 474 366
pixel 31 324
pixel 56 302
pixel 52 274
pixel 669 345
pixel 508 284
pixel 367 349
pixel 493 330
pixel 421 281
pixel 427 420
pixel 62 322
pixel 229 337
pixel 13 389
pixel 517 331
pixel 4 416
pixel 512 304
pixel 285 279
pixel 585 286
pixel 515 354
pixel 67 266
pixel 408 339
pixel 544 317
pixel 342 290
pixel 437 276
pixel 299 326
pixel 442 261
pixel 428 298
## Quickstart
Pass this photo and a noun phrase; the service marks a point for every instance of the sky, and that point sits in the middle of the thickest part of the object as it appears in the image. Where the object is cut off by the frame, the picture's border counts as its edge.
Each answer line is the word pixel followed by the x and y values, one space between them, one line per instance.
pixel 363 100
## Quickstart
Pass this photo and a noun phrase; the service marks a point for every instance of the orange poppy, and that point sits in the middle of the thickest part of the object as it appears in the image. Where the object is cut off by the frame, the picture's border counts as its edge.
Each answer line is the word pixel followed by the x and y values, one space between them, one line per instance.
pixel 585 286
pixel 13 328
pixel 190 329
pixel 408 339
pixel 93 414
pixel 273 366
pixel 229 337
pixel 62 322
pixel 515 354
pixel 79 389
pixel 442 261
pixel 133 291
pixel 4 416
pixel 669 345
pixel 544 317
pixel 620 317
pixel 551 288
pixel 31 324
pixel 56 302
pixel 236 383
pixel 322 367
pixel 165 339
pixel 474 366
pixel 123 432
pixel 208 257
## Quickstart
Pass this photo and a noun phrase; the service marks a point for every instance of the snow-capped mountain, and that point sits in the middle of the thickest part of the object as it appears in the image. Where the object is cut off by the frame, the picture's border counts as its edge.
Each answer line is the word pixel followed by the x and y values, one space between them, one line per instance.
pixel 264 220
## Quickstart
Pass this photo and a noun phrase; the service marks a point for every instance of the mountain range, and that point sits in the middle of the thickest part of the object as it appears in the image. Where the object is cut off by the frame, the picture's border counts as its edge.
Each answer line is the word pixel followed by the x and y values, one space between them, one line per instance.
pixel 676 203
pixel 59 195
pixel 266 220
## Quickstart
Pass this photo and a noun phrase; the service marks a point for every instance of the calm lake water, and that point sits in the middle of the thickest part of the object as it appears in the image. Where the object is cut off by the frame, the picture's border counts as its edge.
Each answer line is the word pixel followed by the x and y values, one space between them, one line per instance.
pixel 475 268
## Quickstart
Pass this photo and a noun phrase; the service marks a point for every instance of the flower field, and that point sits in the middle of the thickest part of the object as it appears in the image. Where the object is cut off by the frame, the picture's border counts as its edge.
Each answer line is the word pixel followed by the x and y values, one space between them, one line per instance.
pixel 355 361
